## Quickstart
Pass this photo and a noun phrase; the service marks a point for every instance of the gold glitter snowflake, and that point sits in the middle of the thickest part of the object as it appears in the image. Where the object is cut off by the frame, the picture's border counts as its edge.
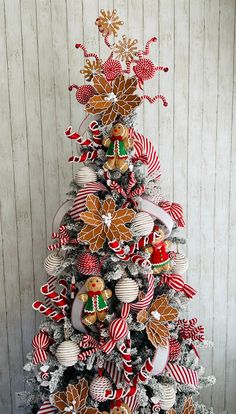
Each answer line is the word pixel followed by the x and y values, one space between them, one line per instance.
pixel 91 69
pixel 108 22
pixel 126 49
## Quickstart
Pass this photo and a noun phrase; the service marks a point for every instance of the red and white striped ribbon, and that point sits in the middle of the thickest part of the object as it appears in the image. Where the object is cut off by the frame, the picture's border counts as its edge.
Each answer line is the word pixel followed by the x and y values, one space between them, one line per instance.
pixel 51 281
pixel 75 136
pixel 177 283
pixel 175 211
pixel 144 372
pixel 48 311
pixel 135 258
pixel 189 330
pixel 89 342
pixel 127 363
pixel 40 343
pixel 182 374
pixel 147 299
pixel 143 146
pixel 47 408
pixel 90 155
pixel 97 135
pixel 60 299
pixel 79 204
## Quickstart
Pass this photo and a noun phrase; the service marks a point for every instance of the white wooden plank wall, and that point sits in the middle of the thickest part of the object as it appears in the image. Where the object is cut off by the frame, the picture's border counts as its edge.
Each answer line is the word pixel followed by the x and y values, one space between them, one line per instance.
pixel 195 137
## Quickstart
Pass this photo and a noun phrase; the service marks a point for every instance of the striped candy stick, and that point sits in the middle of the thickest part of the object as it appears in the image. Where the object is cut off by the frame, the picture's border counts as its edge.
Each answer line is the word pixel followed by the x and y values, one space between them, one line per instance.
pixel 118 250
pixel 97 135
pixel 90 155
pixel 75 136
pixel 51 286
pixel 49 311
pixel 60 300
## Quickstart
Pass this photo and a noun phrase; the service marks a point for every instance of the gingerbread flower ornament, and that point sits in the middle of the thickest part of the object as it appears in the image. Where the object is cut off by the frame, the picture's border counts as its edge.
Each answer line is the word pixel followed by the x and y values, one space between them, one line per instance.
pixel 103 221
pixel 73 400
pixel 113 99
pixel 156 318
pixel 188 407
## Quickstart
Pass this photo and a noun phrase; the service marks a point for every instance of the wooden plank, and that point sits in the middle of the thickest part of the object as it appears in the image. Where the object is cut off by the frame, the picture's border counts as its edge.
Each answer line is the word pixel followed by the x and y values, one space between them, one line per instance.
pixel 206 277
pixel 61 83
pixel 230 396
pixel 35 155
pixel 223 141
pixel 48 112
pixel 166 115
pixel 181 103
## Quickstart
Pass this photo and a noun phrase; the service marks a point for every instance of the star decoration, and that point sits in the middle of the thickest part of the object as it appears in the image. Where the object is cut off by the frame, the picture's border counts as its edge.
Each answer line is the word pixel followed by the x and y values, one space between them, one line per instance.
pixel 108 22
pixel 188 407
pixel 91 69
pixel 73 400
pixel 113 99
pixel 156 318
pixel 126 49
pixel 103 222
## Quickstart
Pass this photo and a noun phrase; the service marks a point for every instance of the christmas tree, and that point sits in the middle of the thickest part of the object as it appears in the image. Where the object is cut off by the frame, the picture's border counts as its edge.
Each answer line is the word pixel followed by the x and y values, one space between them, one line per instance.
pixel 114 338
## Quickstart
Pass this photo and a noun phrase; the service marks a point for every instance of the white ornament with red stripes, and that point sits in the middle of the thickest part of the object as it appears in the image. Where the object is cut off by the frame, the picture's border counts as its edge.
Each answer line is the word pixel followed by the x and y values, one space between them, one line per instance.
pixel 126 290
pixel 84 176
pixel 142 225
pixel 67 353
pixel 181 264
pixel 98 387
pixel 53 262
pixel 169 397
pixel 47 408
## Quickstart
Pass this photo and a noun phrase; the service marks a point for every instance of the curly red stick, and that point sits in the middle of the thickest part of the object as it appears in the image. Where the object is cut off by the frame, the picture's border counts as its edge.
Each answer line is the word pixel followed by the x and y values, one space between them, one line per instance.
pixel 146 51
pixel 164 68
pixel 152 100
pixel 86 54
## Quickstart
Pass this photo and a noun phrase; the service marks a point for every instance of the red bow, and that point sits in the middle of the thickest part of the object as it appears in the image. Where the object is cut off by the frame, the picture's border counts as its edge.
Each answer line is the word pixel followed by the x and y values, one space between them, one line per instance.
pixel 92 294
pixel 40 343
pixel 113 138
pixel 175 211
pixel 189 330
pixel 177 283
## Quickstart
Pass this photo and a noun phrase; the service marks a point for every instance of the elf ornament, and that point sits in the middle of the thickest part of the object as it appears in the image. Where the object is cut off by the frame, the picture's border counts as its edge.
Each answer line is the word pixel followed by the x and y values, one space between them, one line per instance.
pixel 118 143
pixel 159 257
pixel 95 300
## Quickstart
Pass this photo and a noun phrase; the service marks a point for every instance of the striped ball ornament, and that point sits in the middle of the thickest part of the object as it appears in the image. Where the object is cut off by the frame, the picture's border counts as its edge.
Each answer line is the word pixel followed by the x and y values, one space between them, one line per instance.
pixel 126 290
pixel 84 176
pixel 142 225
pixel 52 263
pixel 67 353
pixel 180 263
pixel 88 263
pixel 169 398
pixel 98 387
pixel 175 349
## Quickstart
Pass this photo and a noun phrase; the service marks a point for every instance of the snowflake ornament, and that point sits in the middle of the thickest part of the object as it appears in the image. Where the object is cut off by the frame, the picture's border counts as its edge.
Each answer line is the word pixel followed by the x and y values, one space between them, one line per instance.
pixel 91 69
pixel 126 49
pixel 109 22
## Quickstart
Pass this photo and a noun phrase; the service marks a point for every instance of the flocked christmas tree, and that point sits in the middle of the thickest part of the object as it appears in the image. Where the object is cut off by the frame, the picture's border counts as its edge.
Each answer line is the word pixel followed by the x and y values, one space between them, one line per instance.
pixel 114 339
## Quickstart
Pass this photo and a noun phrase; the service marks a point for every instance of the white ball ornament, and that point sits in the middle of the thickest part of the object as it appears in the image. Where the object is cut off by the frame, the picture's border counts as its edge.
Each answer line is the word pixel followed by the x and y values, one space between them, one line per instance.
pixel 52 263
pixel 126 290
pixel 142 224
pixel 67 353
pixel 98 387
pixel 180 263
pixel 169 398
pixel 84 176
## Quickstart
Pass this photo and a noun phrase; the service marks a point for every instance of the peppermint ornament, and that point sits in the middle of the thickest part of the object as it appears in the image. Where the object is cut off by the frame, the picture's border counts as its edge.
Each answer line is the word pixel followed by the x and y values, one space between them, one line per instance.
pixel 180 263
pixel 98 387
pixel 84 176
pixel 142 225
pixel 174 350
pixel 111 69
pixel 126 290
pixel 83 93
pixel 88 263
pixel 67 353
pixel 169 398
pixel 53 262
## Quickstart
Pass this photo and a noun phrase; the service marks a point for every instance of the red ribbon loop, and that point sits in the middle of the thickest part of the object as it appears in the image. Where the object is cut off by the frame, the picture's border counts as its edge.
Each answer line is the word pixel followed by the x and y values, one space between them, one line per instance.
pixel 175 211
pixel 40 343
pixel 177 283
pixel 189 330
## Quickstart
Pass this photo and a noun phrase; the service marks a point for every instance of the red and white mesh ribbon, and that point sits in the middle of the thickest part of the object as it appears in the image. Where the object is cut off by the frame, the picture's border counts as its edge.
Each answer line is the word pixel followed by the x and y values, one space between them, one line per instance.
pixel 177 283
pixel 189 330
pixel 175 211
pixel 40 343
pixel 60 300
pixel 47 408
pixel 80 200
pixel 143 147
pixel 182 374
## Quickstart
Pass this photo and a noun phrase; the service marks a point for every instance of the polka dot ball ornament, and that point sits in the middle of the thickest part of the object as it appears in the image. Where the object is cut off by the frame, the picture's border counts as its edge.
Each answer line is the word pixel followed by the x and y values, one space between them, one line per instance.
pixel 83 93
pixel 98 388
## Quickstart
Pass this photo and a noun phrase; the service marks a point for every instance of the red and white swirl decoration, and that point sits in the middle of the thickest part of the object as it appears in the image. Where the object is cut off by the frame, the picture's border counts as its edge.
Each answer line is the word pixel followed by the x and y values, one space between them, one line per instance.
pixel 80 199
pixel 143 146
pixel 40 343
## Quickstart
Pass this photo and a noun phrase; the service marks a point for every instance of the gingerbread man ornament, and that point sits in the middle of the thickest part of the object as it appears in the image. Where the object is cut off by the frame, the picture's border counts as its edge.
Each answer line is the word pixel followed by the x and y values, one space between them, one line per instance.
pixel 118 143
pixel 159 257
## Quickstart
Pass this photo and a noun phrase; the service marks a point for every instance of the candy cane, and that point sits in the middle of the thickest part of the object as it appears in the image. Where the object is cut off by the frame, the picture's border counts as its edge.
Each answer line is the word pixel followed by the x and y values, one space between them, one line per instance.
pixel 49 311
pixel 145 372
pixel 75 136
pixel 86 54
pixel 152 100
pixel 60 300
pixel 118 250
pixel 97 135
pixel 147 299
pixel 84 157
